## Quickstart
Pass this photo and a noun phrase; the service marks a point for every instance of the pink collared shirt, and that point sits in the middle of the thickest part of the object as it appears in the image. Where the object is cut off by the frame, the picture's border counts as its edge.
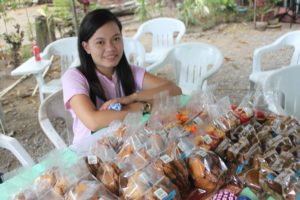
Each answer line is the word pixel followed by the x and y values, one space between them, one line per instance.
pixel 74 82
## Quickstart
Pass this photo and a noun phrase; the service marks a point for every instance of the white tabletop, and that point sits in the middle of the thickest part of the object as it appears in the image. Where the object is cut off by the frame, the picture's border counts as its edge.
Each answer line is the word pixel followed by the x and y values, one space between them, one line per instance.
pixel 31 67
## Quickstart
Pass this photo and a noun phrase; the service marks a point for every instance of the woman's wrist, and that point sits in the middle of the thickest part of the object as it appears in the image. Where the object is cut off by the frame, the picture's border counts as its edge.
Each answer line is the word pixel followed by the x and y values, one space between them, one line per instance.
pixel 146 107
pixel 135 97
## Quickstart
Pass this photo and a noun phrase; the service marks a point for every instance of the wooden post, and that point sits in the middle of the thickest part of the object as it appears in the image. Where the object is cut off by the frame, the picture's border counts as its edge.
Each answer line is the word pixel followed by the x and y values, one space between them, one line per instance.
pixel 42 36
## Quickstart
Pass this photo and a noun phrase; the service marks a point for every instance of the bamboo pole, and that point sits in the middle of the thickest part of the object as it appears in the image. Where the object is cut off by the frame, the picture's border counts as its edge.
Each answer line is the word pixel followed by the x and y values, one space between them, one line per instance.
pixel 9 88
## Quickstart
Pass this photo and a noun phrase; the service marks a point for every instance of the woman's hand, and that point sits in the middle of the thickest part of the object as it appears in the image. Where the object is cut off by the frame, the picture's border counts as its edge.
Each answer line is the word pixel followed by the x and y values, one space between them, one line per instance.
pixel 134 107
pixel 122 100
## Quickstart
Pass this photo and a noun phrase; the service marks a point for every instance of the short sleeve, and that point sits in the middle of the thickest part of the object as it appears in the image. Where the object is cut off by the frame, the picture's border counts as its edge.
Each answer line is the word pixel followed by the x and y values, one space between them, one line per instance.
pixel 73 82
pixel 138 73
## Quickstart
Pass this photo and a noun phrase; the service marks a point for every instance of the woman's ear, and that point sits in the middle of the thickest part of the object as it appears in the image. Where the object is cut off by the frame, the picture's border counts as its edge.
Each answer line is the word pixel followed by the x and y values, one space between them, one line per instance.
pixel 86 47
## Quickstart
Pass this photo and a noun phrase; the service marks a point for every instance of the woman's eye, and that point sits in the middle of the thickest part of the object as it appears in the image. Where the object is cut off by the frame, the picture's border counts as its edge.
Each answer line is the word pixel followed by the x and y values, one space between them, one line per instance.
pixel 117 38
pixel 100 42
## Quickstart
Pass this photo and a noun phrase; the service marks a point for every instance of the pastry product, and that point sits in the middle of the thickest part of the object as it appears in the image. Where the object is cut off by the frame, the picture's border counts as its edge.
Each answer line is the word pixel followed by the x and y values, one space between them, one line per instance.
pixel 45 182
pixel 201 177
pixel 107 173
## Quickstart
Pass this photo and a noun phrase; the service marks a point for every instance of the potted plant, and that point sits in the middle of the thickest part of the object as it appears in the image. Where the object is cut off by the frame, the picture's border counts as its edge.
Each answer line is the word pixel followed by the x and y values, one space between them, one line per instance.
pixel 263 12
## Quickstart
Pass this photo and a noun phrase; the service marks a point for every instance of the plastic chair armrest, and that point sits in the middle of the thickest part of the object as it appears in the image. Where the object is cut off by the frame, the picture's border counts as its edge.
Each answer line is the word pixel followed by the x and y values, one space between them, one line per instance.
pixel 258 52
pixel 52 134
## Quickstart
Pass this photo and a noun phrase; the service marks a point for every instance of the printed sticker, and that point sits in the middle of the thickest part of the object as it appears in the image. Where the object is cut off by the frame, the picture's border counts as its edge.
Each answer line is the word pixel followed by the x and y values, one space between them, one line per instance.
pixel 92 159
pixel 160 193
pixel 166 159
pixel 207 139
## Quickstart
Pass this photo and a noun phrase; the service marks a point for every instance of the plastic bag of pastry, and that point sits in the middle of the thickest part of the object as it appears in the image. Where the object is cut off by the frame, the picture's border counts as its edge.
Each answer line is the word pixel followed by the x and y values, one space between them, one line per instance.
pixel 222 115
pixel 179 131
pixel 130 145
pixel 251 180
pixel 232 184
pixel 163 189
pixel 114 135
pixel 169 163
pixel 46 181
pixel 152 147
pixel 234 151
pixel 288 179
pixel 51 194
pixel 267 181
pixel 245 110
pixel 209 139
pixel 164 110
pixel 106 172
pixel 146 184
pixel 26 194
pixel 207 169
pixel 195 111
pixel 89 189
pixel 247 131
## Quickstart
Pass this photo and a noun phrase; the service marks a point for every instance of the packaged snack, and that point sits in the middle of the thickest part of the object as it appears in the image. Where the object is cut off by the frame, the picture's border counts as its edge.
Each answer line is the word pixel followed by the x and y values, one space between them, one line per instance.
pixel 108 173
pixel 170 165
pixel 147 183
pixel 206 170
pixel 89 189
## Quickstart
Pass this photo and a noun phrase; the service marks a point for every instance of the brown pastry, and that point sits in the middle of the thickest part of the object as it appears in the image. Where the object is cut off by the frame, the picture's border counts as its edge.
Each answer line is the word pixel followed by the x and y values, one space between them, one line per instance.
pixel 107 173
pixel 201 177
pixel 45 182
pixel 126 151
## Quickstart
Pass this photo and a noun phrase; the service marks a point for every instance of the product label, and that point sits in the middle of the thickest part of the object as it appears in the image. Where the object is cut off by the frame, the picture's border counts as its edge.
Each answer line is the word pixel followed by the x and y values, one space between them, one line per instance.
pixel 166 158
pixel 207 139
pixel 182 146
pixel 145 178
pixel 202 153
pixel 198 121
pixel 92 159
pixel 160 193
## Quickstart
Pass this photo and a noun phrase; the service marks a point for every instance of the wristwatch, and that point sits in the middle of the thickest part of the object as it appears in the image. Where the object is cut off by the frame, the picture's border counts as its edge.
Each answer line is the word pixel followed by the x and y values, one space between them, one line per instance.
pixel 147 108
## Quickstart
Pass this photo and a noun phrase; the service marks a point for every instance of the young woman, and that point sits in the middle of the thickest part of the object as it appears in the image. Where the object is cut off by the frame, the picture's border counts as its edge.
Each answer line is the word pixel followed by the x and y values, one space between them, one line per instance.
pixel 105 77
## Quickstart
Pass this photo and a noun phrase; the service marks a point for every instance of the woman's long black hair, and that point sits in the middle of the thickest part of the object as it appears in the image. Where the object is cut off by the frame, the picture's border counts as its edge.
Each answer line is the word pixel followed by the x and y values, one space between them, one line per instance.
pixel 89 25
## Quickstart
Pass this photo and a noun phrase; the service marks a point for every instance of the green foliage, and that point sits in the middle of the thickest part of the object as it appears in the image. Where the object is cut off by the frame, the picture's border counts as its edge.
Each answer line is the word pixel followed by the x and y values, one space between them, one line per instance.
pixel 193 11
pixel 15 41
pixel 141 11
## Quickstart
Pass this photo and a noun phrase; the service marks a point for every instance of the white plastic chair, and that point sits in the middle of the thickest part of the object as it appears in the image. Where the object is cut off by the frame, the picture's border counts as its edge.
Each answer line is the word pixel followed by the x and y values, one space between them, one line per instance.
pixel 66 49
pixel 16 149
pixel 258 75
pixel 163 32
pixel 50 110
pixel 193 64
pixel 284 83
pixel 134 51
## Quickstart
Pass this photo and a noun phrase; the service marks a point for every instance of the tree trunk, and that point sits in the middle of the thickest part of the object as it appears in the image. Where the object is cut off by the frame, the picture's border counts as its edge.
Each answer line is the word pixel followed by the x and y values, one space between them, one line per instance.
pixel 43 35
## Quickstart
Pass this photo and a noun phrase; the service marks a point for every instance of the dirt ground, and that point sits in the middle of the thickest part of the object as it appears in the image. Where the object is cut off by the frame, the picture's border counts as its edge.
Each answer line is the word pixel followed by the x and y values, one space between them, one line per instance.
pixel 236 41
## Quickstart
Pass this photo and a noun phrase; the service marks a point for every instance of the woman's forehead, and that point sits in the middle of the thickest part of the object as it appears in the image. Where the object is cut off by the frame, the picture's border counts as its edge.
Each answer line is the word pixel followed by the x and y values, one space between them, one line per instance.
pixel 108 30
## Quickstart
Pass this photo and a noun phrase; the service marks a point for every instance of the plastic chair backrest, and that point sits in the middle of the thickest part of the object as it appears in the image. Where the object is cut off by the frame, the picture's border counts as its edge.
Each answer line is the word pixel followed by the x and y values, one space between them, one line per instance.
pixel 53 108
pixel 193 63
pixel 134 51
pixel 65 48
pixel 163 31
pixel 285 82
pixel 258 75
pixel 16 149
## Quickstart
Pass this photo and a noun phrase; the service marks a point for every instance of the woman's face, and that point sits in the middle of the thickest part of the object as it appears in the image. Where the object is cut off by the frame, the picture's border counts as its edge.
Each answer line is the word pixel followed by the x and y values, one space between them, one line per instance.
pixel 105 47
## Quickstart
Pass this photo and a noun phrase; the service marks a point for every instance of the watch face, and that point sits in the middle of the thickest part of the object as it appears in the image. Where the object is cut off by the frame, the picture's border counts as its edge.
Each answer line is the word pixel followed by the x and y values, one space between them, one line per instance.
pixel 147 108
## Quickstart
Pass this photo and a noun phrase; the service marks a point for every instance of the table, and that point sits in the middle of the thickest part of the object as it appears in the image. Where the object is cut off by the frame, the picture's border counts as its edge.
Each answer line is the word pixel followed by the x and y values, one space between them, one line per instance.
pixel 33 67
pixel 27 175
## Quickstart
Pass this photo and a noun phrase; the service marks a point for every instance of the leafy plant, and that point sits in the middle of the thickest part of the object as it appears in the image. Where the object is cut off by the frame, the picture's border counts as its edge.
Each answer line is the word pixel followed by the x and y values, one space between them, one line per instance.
pixel 141 11
pixel 15 41
pixel 266 8
pixel 4 6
